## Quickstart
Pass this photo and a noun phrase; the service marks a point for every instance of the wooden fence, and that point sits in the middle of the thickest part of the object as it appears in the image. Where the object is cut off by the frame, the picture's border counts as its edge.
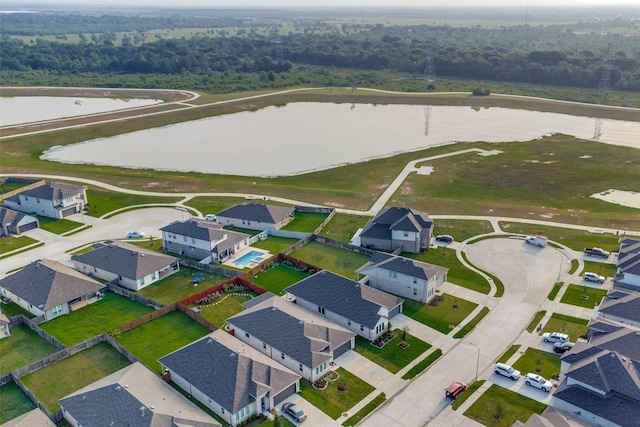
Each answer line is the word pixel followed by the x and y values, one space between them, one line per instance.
pixel 342 245
pixel 147 318
pixel 117 289
pixel 208 268
pixel 22 319
pixel 30 183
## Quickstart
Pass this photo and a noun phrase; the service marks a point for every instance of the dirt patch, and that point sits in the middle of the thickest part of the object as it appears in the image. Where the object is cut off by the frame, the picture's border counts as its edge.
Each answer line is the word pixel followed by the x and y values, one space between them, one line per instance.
pixel 406 189
pixel 630 199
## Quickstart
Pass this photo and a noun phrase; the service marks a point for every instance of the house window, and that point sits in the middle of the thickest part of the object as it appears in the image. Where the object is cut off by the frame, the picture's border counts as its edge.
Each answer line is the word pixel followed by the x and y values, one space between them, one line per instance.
pixel 246 334
pixel 193 240
pixel 321 310
pixel 56 310
pixel 282 355
pixel 184 238
pixel 406 234
pixel 349 322
pixel 362 328
pixel 393 274
pixel 264 345
pixel 415 291
pixel 415 280
pixel 222 410
pixel 300 366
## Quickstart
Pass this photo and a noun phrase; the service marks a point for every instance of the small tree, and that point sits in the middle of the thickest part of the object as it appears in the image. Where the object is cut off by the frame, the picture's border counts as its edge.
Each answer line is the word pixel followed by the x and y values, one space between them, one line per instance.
pixel 405 331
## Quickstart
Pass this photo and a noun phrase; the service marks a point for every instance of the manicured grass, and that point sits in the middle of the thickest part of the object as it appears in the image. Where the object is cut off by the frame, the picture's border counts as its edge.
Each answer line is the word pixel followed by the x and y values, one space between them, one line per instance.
pixel 103 201
pixel 442 317
pixel 109 313
pixel 472 323
pixel 213 205
pixel 343 227
pixel 332 401
pixel 499 407
pixel 219 312
pixel 497 282
pixel 12 243
pixel 306 222
pixel 68 375
pixel 23 347
pixel 458 273
pixel 274 244
pixel 337 260
pixel 601 268
pixel 539 362
pixel 422 365
pixel 13 402
pixel 366 410
pixel 507 354
pixel 582 296
pixel 157 338
pixel 461 229
pixel 13 309
pixel 57 226
pixel 554 292
pixel 391 356
pixel 572 326
pixel 179 286
pixel 277 278
pixel 467 394
pixel 536 320
pixel 574 266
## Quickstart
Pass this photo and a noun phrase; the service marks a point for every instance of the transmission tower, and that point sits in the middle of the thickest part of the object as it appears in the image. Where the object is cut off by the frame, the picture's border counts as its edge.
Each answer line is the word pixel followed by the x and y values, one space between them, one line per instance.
pixel 427 118
pixel 429 68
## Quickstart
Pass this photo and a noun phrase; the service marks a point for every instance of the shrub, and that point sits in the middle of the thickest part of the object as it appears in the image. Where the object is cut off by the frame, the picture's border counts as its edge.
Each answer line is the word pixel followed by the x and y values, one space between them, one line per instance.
pixel 342 387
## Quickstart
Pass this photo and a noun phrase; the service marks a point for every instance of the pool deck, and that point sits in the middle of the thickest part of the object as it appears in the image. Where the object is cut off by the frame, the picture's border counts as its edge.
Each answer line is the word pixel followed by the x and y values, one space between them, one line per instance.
pixel 231 262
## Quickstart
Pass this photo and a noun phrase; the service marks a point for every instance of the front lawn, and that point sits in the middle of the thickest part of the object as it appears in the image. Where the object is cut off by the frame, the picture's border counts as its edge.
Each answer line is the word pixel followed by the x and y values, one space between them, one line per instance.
pixel 536 320
pixel 538 362
pixel 554 292
pixel 73 373
pixel 444 316
pixel 11 243
pixel 13 402
pixel 102 316
pixel 333 401
pixel 507 354
pixel 23 347
pixel 57 226
pixel 366 410
pixel 392 356
pixel 342 227
pixel 306 222
pixel 572 326
pixel 276 279
pixel 472 323
pixel 422 365
pixel 179 286
pixel 337 260
pixel 218 312
pixel 583 296
pixel 499 407
pixel 12 309
pixel 157 338
pixel 600 268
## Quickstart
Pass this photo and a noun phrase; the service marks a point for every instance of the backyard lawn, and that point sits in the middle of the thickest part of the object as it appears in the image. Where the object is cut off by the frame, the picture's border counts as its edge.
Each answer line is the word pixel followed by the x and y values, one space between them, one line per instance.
pixel 73 373
pixel 274 244
pixel 392 356
pixel 157 338
pixel 342 227
pixel 218 312
pixel 333 401
pixel 583 296
pixel 13 309
pixel 107 314
pixel 499 407
pixel 276 279
pixel 337 260
pixel 11 243
pixel 306 222
pixel 443 317
pixel 23 347
pixel 572 326
pixel 179 286
pixel 538 362
pixel 13 402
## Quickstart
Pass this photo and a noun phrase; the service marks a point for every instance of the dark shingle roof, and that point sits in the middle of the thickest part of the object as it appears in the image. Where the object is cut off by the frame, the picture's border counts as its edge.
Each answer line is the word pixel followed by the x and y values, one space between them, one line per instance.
pixel 305 337
pixel 126 260
pixel 53 191
pixel 352 300
pixel 9 215
pixel 135 397
pixel 406 266
pixel 46 284
pixel 629 256
pixel 207 231
pixel 227 371
pixel 621 304
pixel 395 218
pixel 257 212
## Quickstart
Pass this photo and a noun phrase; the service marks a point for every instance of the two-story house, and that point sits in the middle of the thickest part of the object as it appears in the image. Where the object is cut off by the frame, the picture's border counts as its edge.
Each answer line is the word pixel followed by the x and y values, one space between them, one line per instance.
pixel 398 228
pixel 53 200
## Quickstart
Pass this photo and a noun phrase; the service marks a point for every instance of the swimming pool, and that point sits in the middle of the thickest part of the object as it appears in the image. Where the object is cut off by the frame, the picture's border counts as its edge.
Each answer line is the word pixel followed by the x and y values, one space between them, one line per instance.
pixel 248 258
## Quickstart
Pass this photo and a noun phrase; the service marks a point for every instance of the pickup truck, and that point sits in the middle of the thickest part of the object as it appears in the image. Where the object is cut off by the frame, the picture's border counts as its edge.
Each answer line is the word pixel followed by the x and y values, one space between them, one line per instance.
pixel 536 240
pixel 599 252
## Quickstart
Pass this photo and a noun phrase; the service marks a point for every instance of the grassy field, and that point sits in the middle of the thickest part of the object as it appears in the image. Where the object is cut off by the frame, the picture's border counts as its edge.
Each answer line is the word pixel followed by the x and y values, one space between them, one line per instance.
pixel 213 205
pixel 507 354
pixel 329 258
pixel 575 239
pixel 179 286
pixel 499 407
pixel 391 356
pixel 422 365
pixel 157 338
pixel 219 312
pixel 583 296
pixel 12 243
pixel 572 326
pixel 443 317
pixel 538 362
pixel 13 402
pixel 23 347
pixel 68 375
pixel 343 227
pixel 276 279
pixel 102 202
pixel 461 229
pixel 332 401
pixel 109 313
pixel 57 226
pixel 366 410
pixel 306 222
pixel 472 323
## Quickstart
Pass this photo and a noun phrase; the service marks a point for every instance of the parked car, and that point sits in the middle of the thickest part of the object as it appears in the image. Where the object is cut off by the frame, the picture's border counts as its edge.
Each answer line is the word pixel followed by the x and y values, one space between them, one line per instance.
pixel 555 337
pixel 536 240
pixel 210 217
pixel 294 411
pixel 135 234
pixel 455 389
pixel 506 371
pixel 561 347
pixel 445 238
pixel 593 277
pixel 535 380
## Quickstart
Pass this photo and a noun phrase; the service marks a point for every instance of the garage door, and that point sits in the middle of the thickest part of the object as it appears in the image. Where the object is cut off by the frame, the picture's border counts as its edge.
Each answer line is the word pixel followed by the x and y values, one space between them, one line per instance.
pixel 27 227
pixel 284 394
pixel 342 349
pixel 68 211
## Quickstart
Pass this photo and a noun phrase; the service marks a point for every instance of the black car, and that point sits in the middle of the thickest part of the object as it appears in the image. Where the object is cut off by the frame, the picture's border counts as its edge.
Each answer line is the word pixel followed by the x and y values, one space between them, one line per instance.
pixel 444 238
pixel 294 411
pixel 561 347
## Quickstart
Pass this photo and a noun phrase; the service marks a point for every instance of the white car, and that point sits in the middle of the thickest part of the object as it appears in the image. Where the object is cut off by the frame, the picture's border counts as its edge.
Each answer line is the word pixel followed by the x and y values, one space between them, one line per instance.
pixel 506 371
pixel 135 234
pixel 592 277
pixel 555 337
pixel 210 217
pixel 535 380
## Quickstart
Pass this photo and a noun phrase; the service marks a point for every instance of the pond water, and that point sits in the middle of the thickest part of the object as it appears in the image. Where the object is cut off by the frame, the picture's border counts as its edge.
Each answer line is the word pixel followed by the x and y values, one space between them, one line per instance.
pixel 302 137
pixel 27 109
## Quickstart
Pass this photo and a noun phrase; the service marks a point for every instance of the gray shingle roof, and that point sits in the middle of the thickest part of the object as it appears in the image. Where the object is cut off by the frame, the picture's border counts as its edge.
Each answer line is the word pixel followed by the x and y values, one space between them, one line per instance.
pixel 257 212
pixel 621 304
pixel 126 260
pixel 207 231
pixel 345 297
pixel 53 191
pixel 301 335
pixel 227 371
pixel 406 266
pixel 395 218
pixel 9 215
pixel 46 284
pixel 142 399
pixel 629 256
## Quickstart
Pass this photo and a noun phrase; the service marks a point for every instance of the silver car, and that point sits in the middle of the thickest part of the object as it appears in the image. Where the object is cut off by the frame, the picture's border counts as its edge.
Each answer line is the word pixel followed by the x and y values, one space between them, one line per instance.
pixel 506 371
pixel 535 380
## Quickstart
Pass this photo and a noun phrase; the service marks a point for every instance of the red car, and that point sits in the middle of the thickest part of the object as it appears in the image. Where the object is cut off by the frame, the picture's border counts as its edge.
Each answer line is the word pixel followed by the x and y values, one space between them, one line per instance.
pixel 455 389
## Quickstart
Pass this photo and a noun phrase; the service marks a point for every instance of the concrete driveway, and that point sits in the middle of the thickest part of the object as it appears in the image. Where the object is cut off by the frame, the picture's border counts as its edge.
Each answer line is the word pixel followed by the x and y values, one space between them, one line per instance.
pixel 528 274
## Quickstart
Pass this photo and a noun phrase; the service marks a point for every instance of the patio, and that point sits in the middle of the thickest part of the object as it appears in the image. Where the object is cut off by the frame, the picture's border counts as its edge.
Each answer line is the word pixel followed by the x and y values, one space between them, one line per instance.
pixel 248 257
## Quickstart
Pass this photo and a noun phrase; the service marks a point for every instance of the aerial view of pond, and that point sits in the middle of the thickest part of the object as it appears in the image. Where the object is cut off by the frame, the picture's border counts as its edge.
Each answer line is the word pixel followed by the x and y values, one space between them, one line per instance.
pixel 303 137
pixel 27 109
